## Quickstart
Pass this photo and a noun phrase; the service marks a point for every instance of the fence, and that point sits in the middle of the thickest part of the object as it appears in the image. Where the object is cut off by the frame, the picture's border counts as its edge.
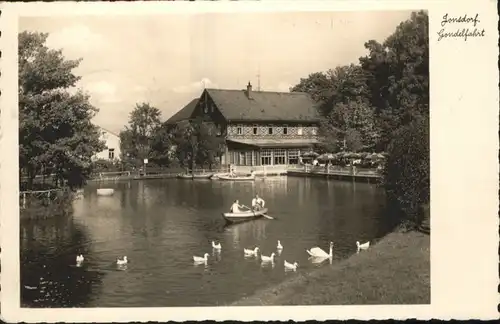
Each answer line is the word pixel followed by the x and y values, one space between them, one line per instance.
pixel 45 203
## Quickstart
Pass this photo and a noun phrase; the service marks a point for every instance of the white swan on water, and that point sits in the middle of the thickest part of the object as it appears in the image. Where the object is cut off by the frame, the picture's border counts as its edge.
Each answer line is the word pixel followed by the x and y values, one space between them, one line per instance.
pixel 250 252
pixel 201 259
pixel 267 258
pixel 319 253
pixel 79 258
pixel 216 246
pixel 290 266
pixel 363 246
pixel 279 247
pixel 122 261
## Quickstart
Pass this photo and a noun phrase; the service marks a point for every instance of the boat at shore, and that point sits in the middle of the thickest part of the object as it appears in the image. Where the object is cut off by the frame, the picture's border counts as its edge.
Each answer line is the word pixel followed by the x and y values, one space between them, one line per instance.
pixel 216 176
pixel 195 176
pixel 228 177
pixel 244 216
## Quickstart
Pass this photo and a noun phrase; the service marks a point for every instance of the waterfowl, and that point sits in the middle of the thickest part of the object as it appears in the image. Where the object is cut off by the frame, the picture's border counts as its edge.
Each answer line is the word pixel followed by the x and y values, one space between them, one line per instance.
pixel 279 247
pixel 122 261
pixel 201 259
pixel 290 266
pixel 251 252
pixel 267 258
pixel 319 253
pixel 79 258
pixel 216 246
pixel 363 246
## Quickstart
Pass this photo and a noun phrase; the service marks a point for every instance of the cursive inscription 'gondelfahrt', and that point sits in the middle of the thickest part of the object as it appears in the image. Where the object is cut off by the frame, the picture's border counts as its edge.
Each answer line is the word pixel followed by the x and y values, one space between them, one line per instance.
pixel 471 28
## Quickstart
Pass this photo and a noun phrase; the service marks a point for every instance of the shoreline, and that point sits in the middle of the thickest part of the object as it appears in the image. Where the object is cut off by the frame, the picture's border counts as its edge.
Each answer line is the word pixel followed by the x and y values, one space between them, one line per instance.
pixel 396 270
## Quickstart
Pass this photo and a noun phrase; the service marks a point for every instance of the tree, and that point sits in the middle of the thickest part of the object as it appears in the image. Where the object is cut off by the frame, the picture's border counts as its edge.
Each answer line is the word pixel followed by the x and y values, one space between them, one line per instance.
pixel 162 146
pixel 55 130
pixel 398 73
pixel 136 139
pixel 407 170
pixel 316 85
pixel 197 143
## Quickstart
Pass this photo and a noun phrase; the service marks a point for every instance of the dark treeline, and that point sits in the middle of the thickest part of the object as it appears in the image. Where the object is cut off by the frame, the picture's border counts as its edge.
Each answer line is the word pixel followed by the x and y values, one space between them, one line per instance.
pixel 382 104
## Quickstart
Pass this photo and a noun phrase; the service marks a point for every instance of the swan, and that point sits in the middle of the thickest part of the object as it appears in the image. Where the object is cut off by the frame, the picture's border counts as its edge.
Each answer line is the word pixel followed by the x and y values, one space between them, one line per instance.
pixel 122 261
pixel 200 259
pixel 279 247
pixel 267 258
pixel 319 253
pixel 290 266
pixel 216 246
pixel 79 258
pixel 251 252
pixel 363 246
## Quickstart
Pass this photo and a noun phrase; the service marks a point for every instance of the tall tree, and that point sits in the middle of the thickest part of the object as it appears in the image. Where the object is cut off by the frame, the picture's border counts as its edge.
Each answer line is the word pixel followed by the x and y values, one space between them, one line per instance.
pixel 162 146
pixel 55 130
pixel 144 121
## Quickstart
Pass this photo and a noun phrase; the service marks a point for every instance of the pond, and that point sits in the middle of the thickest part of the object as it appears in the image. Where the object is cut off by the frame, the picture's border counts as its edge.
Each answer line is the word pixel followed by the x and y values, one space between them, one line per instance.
pixel 160 224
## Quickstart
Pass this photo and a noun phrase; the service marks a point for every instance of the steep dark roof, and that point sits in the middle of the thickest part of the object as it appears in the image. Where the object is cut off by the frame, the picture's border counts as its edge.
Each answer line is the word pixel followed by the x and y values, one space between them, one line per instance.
pixel 183 114
pixel 264 105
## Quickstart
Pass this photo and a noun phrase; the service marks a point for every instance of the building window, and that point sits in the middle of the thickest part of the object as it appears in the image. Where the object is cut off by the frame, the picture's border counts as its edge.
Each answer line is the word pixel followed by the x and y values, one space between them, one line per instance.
pixel 314 131
pixel 255 130
pixel 279 157
pixel 248 157
pixel 299 130
pixel 270 131
pixel 285 130
pixel 242 159
pixel 265 157
pixel 239 131
pixel 293 156
pixel 111 153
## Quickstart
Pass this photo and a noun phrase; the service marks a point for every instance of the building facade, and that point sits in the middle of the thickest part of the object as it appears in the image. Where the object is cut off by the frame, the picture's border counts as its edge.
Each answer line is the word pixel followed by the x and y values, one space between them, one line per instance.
pixel 112 150
pixel 261 128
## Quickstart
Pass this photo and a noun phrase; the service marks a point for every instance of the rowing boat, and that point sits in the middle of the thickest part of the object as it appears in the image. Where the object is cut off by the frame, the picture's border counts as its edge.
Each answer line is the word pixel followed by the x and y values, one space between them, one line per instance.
pixel 237 178
pixel 244 216
pixel 195 176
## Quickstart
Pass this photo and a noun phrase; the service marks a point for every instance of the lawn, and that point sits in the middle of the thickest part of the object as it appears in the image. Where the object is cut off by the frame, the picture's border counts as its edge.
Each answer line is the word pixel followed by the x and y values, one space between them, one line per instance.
pixel 394 271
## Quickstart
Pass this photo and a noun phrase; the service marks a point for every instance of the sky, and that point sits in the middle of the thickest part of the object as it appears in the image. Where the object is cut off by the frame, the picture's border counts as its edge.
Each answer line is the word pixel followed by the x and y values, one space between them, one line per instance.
pixel 167 60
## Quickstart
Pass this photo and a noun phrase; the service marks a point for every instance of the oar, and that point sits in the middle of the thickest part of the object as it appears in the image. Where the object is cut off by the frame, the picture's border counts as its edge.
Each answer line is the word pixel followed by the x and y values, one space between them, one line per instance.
pixel 266 216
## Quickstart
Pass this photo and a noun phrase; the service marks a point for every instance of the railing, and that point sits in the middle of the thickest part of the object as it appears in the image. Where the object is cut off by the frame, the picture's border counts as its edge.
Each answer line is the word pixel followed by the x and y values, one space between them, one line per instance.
pixel 43 197
pixel 334 169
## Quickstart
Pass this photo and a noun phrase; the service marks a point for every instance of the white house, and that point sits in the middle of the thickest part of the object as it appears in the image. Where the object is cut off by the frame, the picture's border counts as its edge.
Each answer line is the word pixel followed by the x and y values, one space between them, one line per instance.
pixel 112 150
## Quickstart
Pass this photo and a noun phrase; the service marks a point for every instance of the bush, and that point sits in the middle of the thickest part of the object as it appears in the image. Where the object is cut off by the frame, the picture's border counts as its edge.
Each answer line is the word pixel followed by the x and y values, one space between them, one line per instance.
pixel 407 171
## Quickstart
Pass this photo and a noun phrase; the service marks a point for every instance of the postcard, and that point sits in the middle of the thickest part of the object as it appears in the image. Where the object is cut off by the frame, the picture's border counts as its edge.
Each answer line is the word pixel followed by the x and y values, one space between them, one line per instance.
pixel 249 160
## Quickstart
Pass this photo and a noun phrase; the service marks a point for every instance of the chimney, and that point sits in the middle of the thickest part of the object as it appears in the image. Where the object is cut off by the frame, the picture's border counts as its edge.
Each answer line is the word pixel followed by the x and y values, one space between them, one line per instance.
pixel 249 90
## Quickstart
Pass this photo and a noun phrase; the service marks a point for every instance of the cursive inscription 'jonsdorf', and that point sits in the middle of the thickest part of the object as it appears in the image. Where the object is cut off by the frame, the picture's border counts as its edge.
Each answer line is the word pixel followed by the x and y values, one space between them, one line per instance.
pixel 460 32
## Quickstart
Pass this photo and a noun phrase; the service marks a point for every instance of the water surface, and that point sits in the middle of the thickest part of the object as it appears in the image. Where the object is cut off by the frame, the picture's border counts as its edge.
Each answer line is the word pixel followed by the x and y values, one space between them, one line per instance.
pixel 161 224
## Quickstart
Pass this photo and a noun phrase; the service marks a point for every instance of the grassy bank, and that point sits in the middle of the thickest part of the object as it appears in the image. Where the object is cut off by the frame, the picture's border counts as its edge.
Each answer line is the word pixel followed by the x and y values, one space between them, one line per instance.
pixel 394 271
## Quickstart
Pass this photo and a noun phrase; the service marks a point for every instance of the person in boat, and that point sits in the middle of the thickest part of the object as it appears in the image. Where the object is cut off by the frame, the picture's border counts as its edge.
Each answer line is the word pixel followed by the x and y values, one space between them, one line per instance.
pixel 235 207
pixel 258 203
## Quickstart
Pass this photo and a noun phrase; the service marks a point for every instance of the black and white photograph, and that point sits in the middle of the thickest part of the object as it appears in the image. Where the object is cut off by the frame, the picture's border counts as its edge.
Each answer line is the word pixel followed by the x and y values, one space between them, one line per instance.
pixel 246 158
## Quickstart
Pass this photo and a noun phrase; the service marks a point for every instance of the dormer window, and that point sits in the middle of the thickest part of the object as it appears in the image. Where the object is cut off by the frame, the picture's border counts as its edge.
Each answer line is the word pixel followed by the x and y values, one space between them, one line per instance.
pixel 270 131
pixel 299 130
pixel 255 130
pixel 239 131
pixel 285 130
pixel 314 131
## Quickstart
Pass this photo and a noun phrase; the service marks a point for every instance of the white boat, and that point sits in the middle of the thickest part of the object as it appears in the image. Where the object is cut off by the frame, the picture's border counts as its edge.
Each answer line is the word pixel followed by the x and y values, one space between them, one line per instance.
pixel 237 177
pixel 195 176
pixel 105 192
pixel 244 216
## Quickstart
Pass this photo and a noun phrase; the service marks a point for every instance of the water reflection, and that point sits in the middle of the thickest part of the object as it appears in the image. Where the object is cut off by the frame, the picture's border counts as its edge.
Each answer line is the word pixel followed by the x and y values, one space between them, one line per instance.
pixel 161 224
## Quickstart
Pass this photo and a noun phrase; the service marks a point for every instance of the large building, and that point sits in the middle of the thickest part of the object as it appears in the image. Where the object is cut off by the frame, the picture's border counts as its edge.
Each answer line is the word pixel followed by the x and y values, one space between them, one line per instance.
pixel 112 150
pixel 260 127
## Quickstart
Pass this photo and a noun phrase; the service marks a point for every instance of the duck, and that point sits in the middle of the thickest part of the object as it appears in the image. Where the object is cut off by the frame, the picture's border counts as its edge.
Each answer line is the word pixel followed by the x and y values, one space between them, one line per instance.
pixel 216 246
pixel 79 258
pixel 290 266
pixel 201 259
pixel 251 252
pixel 363 246
pixel 267 258
pixel 279 247
pixel 319 253
pixel 122 261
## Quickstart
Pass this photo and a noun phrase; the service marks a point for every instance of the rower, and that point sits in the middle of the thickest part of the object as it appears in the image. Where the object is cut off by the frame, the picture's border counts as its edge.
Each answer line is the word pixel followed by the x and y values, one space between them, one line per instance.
pixel 258 203
pixel 235 207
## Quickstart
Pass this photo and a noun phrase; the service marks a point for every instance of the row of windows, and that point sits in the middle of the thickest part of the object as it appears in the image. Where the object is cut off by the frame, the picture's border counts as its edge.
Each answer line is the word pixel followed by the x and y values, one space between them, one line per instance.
pixel 265 157
pixel 272 130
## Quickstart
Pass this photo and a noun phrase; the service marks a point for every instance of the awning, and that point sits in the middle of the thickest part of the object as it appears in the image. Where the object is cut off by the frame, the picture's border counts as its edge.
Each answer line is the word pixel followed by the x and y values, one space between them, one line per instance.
pixel 288 142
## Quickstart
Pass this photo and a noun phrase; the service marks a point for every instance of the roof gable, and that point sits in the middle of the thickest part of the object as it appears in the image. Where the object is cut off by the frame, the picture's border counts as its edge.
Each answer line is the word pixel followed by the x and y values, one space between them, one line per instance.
pixel 265 105
pixel 185 113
